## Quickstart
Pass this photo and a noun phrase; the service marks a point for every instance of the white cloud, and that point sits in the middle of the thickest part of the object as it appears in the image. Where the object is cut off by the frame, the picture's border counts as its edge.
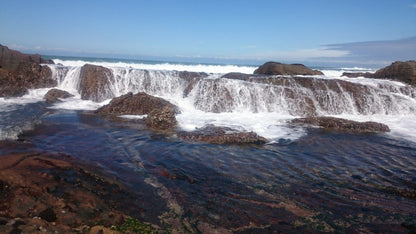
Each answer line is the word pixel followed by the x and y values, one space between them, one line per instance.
pixel 303 54
pixel 414 5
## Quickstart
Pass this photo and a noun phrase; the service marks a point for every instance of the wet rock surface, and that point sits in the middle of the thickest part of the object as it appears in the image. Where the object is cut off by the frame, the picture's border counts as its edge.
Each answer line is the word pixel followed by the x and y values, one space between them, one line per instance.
pixel 160 113
pixel 42 192
pixel 344 125
pixel 20 72
pixel 400 71
pixel 53 95
pixel 274 68
pixel 95 83
pixel 222 135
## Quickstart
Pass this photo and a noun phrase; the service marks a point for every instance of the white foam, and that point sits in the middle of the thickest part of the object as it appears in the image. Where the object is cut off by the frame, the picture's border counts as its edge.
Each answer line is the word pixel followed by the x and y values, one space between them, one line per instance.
pixel 401 126
pixel 270 125
pixel 132 116
pixel 208 68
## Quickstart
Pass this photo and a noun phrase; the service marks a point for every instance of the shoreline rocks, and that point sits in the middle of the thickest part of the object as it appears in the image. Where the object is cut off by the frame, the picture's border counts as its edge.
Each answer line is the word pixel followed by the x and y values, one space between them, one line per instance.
pixel 344 125
pixel 53 95
pixel 400 71
pixel 274 68
pixel 20 72
pixel 160 113
pixel 222 135
pixel 95 83
pixel 42 192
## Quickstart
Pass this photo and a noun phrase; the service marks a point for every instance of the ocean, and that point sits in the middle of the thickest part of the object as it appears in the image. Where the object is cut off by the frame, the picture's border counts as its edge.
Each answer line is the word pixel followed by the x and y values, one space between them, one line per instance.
pixel 307 178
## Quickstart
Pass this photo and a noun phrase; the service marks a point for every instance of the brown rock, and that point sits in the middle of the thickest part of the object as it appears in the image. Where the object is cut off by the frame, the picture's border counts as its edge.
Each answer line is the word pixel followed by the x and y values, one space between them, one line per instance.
pixel 95 83
pixel 222 135
pixel 400 71
pixel 162 119
pixel 26 76
pixel 42 192
pixel 54 95
pixel 137 104
pixel 10 59
pixel 345 125
pixel 274 68
pixel 160 113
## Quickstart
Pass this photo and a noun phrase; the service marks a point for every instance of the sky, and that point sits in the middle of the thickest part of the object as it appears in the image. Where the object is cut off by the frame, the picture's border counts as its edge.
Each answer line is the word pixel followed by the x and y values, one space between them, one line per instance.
pixel 319 32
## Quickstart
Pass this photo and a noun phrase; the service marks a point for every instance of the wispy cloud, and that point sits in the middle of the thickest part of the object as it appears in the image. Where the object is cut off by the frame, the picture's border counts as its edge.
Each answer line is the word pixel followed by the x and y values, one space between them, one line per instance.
pixel 413 5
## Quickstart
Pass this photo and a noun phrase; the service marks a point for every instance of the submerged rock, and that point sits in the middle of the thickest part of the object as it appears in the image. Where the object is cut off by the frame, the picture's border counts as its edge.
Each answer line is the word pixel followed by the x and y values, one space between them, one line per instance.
pixel 95 83
pixel 54 95
pixel 274 68
pixel 345 125
pixel 42 192
pixel 222 135
pixel 160 113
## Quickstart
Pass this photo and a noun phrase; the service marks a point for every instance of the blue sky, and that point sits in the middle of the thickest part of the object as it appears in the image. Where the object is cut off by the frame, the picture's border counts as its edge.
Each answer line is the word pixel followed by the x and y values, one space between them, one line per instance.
pixel 368 32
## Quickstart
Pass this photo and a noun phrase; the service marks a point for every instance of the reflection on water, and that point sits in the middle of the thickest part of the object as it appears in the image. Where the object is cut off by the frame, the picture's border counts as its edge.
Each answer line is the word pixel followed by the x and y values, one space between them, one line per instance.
pixel 325 181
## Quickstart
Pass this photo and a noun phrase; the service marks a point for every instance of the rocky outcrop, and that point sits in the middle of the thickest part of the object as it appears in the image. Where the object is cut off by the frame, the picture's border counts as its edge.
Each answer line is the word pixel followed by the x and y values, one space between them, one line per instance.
pixel 10 59
pixel 20 72
pixel 162 119
pixel 54 95
pixel 274 68
pixel 222 135
pixel 42 192
pixel 95 83
pixel 27 76
pixel 401 71
pixel 344 125
pixel 160 113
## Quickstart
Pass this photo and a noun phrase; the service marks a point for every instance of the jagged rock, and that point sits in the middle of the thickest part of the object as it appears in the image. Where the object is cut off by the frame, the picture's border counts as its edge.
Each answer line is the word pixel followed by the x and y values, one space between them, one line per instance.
pixel 160 113
pixel 19 72
pixel 344 125
pixel 400 71
pixel 54 95
pixel 51 193
pixel 274 68
pixel 222 135
pixel 26 76
pixel 134 104
pixel 95 83
pixel 162 119
pixel 10 59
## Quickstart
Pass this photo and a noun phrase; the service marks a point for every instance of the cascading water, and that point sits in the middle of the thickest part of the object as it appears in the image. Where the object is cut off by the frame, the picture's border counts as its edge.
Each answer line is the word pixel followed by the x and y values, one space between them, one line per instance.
pixel 214 99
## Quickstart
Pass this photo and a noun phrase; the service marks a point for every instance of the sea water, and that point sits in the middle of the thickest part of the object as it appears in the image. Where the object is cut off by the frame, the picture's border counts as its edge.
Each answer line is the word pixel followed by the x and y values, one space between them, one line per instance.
pixel 306 177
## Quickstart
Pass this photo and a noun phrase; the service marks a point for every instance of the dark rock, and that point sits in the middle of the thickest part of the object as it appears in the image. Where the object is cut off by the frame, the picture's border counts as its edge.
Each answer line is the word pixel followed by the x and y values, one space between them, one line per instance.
pixel 48 215
pixel 137 104
pixel 10 59
pixel 19 72
pixel 345 125
pixel 222 135
pixel 357 74
pixel 236 76
pixel 400 71
pixel 274 68
pixel 160 113
pixel 162 119
pixel 26 76
pixel 95 83
pixel 54 95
